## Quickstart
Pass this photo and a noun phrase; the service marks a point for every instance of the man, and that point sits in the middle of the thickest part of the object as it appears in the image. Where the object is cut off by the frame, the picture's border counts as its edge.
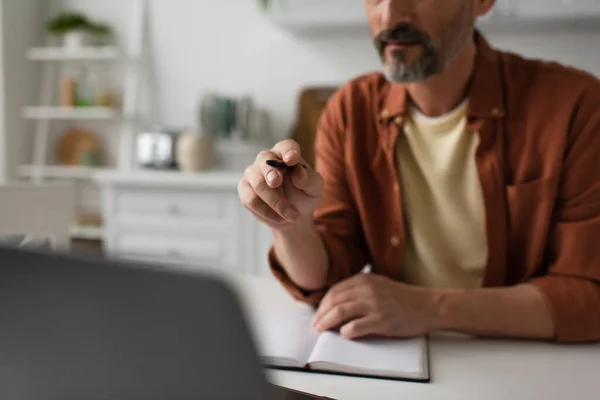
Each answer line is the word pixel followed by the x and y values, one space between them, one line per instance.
pixel 469 179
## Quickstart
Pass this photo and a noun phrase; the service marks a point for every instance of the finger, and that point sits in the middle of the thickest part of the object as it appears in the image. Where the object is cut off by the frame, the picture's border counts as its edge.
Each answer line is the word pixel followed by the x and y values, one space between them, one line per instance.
pixel 338 291
pixel 288 151
pixel 331 300
pixel 342 314
pixel 256 205
pixel 360 327
pixel 273 177
pixel 308 180
pixel 259 208
pixel 274 199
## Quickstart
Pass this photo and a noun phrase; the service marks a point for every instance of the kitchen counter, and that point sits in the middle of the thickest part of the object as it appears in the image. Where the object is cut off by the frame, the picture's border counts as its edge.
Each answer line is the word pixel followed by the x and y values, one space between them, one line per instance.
pixel 141 178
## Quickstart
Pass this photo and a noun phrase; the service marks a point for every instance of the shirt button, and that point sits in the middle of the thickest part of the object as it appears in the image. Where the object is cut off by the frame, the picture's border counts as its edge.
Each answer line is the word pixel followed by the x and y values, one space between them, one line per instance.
pixel 395 241
pixel 385 113
pixel 496 112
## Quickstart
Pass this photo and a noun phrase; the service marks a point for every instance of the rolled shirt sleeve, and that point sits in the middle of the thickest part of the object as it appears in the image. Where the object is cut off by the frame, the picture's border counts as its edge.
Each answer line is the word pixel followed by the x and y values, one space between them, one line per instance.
pixel 336 218
pixel 572 283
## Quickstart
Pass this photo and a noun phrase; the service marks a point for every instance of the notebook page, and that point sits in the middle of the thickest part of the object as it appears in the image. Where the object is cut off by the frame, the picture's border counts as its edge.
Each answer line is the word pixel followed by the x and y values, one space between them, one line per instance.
pixel 394 357
pixel 284 335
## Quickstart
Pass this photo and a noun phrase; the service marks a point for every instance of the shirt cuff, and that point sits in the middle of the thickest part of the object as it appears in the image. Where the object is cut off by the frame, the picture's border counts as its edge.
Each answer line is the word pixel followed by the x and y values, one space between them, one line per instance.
pixel 575 307
pixel 339 269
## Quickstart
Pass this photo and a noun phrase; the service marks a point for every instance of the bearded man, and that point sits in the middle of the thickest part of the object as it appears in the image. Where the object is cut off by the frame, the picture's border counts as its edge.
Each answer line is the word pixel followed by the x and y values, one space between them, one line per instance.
pixel 467 178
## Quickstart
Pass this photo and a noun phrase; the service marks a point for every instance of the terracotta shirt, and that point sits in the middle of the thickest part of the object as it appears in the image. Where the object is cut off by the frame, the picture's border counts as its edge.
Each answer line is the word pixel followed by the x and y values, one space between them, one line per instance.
pixel 538 162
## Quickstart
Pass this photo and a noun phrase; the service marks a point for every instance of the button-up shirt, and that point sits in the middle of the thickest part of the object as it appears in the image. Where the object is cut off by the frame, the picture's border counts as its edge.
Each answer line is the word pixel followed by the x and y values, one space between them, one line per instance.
pixel 538 161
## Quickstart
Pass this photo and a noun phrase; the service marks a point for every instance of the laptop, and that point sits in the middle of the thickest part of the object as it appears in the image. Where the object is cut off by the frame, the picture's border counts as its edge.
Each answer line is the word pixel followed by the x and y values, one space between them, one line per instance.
pixel 75 328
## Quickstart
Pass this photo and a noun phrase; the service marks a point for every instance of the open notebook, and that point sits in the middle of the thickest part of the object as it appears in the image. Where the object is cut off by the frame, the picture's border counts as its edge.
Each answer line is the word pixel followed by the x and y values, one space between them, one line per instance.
pixel 288 340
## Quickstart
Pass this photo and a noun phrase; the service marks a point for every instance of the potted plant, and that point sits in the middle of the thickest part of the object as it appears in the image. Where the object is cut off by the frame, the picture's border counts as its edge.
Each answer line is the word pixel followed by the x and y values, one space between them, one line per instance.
pixel 76 30
pixel 72 28
pixel 102 32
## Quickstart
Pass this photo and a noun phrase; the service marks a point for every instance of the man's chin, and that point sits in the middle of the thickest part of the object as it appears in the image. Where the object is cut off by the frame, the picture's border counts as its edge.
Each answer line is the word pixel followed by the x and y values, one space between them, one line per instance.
pixel 402 75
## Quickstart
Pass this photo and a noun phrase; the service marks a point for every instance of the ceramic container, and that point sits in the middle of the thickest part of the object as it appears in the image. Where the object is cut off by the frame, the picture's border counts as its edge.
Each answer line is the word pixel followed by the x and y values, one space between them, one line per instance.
pixel 194 152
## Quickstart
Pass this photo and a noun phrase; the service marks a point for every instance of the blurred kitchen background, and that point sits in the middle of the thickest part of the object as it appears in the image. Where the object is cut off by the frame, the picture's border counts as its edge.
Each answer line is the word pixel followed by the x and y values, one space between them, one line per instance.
pixel 152 108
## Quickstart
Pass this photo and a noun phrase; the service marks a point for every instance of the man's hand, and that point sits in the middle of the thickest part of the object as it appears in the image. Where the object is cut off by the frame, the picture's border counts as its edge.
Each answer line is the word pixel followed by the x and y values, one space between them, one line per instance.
pixel 280 198
pixel 370 304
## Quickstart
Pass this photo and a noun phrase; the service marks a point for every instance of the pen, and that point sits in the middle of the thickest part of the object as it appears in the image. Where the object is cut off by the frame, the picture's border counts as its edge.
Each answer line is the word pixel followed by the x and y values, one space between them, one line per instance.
pixel 280 165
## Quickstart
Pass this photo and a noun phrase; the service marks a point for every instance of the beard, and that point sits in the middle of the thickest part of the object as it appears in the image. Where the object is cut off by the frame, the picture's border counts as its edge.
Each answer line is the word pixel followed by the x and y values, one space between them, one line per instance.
pixel 434 57
pixel 399 70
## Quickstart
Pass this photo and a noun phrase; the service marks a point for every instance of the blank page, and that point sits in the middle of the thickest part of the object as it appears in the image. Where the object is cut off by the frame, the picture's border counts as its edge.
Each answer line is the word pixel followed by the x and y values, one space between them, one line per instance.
pixel 385 357
pixel 285 335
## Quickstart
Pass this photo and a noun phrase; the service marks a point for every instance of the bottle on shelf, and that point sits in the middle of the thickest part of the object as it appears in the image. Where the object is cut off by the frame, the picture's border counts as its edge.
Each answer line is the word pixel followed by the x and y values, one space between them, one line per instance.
pixel 68 91
pixel 87 88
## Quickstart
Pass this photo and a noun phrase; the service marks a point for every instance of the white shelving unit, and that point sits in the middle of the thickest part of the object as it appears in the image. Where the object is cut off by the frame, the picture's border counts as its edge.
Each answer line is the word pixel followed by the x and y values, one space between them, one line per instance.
pixel 65 114
pixel 60 172
pixel 106 53
pixel 46 112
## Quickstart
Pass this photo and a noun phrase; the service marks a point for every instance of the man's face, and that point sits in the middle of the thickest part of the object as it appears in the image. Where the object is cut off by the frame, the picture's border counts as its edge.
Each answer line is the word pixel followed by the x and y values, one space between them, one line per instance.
pixel 419 38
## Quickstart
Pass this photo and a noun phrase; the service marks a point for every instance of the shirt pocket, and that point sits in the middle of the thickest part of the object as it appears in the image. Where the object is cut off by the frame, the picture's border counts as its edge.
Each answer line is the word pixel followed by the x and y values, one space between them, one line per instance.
pixel 529 209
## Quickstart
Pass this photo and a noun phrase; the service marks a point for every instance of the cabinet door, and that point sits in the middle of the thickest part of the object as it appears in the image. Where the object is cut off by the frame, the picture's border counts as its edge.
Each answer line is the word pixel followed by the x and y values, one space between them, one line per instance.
pixel 193 251
pixel 176 211
pixel 196 228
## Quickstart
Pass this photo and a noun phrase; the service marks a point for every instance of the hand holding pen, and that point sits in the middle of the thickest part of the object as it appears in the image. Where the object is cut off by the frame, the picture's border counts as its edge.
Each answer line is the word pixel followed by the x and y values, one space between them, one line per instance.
pixel 279 188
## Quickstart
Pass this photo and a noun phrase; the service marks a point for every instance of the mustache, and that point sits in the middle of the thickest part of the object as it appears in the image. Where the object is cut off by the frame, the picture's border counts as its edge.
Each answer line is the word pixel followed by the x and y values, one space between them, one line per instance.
pixel 402 32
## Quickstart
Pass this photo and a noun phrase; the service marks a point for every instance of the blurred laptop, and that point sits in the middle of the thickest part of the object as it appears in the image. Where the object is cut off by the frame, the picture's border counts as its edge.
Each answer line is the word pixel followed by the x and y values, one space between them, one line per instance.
pixel 76 328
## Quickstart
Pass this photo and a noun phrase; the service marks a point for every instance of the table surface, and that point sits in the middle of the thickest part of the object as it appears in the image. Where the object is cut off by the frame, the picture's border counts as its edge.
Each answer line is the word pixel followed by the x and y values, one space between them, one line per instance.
pixel 461 367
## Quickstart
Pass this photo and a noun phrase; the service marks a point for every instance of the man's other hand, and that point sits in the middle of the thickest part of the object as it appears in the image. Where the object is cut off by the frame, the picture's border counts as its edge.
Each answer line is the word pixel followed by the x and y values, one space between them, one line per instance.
pixel 370 304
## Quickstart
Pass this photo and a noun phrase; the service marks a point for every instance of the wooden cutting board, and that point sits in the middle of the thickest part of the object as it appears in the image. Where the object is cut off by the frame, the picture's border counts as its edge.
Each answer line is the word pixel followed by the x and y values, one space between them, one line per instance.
pixel 312 101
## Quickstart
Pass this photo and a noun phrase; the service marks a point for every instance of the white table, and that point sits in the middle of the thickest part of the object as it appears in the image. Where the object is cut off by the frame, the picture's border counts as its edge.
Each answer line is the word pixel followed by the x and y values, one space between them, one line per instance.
pixel 462 368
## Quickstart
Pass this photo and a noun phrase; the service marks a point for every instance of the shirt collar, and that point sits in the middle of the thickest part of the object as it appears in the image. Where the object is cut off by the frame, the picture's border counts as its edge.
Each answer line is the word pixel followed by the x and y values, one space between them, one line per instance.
pixel 486 99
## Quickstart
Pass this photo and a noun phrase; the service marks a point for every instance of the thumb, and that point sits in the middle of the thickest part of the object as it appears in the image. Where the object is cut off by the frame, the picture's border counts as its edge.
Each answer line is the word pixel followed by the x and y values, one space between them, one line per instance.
pixel 307 180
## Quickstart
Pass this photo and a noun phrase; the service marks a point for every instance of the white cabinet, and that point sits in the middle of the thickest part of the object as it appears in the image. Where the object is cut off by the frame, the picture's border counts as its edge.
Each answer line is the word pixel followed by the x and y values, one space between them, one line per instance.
pixel 328 16
pixel 556 8
pixel 313 16
pixel 182 220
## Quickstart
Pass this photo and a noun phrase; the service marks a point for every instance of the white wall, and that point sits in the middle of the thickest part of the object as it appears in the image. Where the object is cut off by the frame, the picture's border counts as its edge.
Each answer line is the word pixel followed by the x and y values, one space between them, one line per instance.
pixel 21 23
pixel 198 45
pixel 229 46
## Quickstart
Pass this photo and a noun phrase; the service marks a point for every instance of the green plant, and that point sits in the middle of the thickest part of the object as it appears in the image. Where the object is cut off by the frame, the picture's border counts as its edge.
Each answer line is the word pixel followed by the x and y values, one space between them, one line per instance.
pixel 66 22
pixel 265 4
pixel 100 29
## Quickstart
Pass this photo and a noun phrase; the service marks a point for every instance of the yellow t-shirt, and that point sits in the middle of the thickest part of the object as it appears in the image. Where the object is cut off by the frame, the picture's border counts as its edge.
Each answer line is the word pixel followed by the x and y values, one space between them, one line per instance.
pixel 443 202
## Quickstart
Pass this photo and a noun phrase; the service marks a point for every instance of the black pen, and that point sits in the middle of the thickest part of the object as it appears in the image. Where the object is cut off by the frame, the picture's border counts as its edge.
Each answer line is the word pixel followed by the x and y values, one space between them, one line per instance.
pixel 280 165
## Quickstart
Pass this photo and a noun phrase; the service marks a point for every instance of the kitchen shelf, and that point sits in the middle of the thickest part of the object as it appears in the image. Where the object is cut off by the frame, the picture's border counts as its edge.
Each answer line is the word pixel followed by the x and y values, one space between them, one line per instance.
pixel 66 113
pixel 77 54
pixel 60 172
pixel 87 232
